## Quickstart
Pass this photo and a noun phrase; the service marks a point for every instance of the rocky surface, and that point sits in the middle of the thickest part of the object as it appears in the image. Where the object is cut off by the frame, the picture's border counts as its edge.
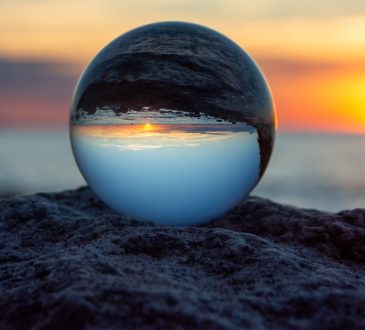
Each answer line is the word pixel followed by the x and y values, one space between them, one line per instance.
pixel 68 262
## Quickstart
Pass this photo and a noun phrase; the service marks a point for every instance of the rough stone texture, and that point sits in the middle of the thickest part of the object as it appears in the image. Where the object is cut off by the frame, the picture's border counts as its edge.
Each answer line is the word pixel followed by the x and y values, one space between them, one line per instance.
pixel 68 262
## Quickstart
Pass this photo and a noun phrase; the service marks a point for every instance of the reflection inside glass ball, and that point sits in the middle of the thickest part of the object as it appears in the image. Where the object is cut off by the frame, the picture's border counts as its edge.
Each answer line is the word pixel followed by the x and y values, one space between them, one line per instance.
pixel 172 123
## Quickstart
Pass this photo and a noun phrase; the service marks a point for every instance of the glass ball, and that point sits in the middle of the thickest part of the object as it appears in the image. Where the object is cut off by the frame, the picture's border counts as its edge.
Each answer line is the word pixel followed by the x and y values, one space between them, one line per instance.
pixel 173 123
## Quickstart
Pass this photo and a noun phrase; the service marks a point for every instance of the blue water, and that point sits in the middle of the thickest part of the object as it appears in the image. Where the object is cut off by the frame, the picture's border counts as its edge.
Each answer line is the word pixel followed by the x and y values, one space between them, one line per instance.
pixel 315 171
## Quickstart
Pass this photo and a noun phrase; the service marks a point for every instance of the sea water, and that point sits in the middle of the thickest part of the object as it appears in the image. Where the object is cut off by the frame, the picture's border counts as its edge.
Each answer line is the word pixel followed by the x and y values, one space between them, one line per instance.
pixel 42 161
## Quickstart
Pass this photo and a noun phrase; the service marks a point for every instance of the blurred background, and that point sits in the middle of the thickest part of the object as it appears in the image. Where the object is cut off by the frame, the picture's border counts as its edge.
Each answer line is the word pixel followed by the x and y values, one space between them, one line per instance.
pixel 312 53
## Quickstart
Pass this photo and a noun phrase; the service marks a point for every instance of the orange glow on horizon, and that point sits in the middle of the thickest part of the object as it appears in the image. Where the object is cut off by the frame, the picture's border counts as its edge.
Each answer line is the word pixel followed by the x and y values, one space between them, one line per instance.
pixel 136 137
pixel 330 102
pixel 123 130
pixel 147 127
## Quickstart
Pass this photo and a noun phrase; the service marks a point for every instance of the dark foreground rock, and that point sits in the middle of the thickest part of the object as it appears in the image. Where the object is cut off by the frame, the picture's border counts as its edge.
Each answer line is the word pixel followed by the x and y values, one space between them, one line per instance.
pixel 68 262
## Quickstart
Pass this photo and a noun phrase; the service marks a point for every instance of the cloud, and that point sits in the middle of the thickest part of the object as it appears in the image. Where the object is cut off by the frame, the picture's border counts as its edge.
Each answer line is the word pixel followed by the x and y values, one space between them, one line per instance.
pixel 288 66
pixel 36 78
pixel 34 91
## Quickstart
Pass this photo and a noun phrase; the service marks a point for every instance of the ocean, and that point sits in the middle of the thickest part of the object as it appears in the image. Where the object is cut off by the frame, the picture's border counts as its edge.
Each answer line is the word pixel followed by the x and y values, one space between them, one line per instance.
pixel 325 172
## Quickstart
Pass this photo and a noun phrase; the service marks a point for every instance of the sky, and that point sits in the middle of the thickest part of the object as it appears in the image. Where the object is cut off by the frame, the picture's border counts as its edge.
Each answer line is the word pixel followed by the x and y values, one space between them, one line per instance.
pixel 174 176
pixel 311 52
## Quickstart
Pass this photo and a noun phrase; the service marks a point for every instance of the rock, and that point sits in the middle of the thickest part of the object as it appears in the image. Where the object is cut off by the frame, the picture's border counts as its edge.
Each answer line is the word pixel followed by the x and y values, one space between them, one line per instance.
pixel 69 262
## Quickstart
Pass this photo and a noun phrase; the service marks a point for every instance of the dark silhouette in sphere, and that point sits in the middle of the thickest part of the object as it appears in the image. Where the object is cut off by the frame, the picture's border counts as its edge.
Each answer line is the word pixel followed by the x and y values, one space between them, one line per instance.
pixel 180 66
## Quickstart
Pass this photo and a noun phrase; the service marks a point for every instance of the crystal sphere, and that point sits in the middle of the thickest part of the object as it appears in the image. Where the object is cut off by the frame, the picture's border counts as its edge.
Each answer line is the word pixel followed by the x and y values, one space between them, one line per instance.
pixel 173 123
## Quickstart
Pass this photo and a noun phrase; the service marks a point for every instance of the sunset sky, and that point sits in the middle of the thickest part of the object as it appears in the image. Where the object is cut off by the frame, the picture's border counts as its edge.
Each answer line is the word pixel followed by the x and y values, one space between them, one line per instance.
pixel 154 136
pixel 312 53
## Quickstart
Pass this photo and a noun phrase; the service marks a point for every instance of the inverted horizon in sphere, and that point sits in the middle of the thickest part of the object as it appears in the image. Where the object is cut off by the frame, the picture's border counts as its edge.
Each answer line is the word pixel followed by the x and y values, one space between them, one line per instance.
pixel 172 122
